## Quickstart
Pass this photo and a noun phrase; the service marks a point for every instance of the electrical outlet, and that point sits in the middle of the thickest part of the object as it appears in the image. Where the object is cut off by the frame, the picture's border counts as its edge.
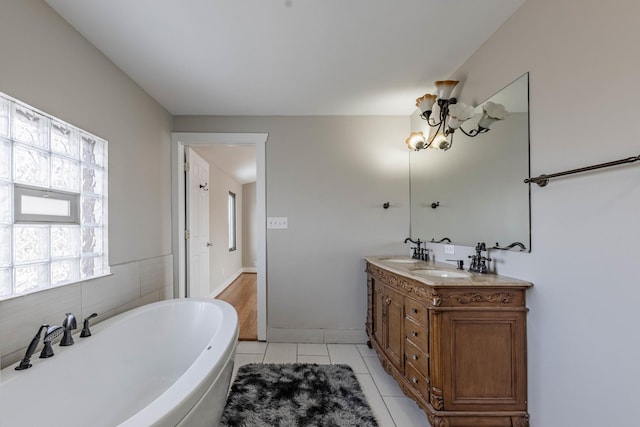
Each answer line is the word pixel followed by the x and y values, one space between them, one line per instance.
pixel 281 223
pixel 449 249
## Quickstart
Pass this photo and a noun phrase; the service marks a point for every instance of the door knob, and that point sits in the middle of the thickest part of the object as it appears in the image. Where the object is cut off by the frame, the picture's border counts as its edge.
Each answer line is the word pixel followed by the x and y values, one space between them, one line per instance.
pixel 209 244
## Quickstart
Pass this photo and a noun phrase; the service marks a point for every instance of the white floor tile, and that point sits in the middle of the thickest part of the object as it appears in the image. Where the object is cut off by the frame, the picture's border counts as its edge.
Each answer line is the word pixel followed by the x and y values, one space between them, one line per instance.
pixel 251 347
pixel 405 412
pixel 376 402
pixel 347 354
pixel 320 360
pixel 365 351
pixel 245 359
pixel 385 382
pixel 279 352
pixel 312 349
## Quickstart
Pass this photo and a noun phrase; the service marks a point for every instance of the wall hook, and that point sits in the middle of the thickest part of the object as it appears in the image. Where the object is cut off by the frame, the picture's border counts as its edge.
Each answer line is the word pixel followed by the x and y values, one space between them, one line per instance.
pixel 386 205
pixel 204 187
pixel 435 205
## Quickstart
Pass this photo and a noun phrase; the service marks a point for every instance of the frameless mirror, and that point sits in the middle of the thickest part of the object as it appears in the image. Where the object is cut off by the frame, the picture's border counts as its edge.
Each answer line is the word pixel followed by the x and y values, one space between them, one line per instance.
pixel 474 192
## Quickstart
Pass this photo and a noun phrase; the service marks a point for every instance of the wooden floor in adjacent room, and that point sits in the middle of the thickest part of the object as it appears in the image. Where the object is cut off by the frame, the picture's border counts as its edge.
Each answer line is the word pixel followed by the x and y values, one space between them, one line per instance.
pixel 242 294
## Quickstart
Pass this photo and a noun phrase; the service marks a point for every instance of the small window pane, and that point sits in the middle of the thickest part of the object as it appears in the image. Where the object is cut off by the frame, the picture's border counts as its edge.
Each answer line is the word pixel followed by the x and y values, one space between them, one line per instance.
pixel 65 174
pixel 4 117
pixel 30 127
pixel 5 247
pixel 91 180
pixel 64 139
pixel 65 241
pixel 5 204
pixel 5 282
pixel 91 241
pixel 92 150
pixel 91 266
pixel 5 160
pixel 65 271
pixel 31 243
pixel 91 210
pixel 31 166
pixel 31 277
pixel 32 205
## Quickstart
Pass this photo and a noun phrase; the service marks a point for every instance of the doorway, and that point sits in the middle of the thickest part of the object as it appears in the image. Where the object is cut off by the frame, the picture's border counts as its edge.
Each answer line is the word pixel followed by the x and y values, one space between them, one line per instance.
pixel 180 140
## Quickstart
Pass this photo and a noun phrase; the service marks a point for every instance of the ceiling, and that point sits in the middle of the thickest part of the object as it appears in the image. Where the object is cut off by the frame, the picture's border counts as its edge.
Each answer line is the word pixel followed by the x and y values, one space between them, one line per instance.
pixel 287 57
pixel 237 161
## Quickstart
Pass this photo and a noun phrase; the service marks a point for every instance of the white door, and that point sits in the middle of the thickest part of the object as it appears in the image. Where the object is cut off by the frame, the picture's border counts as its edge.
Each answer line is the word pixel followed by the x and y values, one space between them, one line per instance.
pixel 197 225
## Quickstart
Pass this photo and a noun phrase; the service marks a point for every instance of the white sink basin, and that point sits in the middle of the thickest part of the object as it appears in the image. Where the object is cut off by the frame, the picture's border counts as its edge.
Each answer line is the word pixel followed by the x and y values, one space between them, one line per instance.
pixel 401 260
pixel 443 273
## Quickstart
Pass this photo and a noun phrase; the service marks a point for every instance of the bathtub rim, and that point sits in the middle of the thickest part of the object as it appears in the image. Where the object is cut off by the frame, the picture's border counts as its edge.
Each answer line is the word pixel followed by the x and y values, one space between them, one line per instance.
pixel 191 386
pixel 176 401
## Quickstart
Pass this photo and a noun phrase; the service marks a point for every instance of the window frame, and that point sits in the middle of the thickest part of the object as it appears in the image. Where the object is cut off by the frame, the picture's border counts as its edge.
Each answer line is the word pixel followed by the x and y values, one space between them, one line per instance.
pixel 20 190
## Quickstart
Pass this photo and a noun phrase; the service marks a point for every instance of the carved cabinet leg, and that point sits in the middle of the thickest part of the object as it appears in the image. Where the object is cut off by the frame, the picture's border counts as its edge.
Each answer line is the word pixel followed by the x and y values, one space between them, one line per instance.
pixel 520 421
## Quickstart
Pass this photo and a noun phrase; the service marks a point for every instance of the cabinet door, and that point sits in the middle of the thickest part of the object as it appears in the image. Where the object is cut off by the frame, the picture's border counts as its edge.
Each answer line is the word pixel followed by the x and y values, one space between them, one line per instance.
pixel 394 322
pixel 378 311
pixel 483 360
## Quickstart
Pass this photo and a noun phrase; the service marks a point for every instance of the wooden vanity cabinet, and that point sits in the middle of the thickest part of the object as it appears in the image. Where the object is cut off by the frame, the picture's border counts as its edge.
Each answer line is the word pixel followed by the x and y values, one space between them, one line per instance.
pixel 458 350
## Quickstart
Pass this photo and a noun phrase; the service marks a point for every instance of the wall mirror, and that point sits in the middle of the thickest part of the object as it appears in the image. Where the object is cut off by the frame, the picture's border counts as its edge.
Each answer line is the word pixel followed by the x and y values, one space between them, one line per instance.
pixel 474 192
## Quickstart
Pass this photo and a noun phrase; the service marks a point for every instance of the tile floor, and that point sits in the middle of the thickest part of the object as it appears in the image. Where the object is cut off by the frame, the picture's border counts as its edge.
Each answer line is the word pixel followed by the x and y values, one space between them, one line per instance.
pixel 391 407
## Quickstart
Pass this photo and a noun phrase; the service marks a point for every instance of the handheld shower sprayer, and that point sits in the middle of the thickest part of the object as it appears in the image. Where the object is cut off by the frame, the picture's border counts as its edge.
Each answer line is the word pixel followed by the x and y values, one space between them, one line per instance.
pixel 24 363
pixel 53 332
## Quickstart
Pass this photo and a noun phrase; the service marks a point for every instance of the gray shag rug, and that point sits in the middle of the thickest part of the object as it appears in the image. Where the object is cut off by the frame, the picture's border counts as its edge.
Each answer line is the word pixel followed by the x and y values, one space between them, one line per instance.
pixel 299 394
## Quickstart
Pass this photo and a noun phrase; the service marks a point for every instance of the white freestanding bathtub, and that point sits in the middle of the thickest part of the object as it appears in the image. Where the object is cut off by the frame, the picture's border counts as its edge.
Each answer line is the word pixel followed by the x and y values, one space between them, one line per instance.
pixel 163 364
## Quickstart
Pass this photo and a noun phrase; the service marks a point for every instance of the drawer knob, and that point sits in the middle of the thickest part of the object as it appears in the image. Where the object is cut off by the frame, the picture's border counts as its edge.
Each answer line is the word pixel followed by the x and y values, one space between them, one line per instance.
pixel 414 380
pixel 414 357
pixel 414 333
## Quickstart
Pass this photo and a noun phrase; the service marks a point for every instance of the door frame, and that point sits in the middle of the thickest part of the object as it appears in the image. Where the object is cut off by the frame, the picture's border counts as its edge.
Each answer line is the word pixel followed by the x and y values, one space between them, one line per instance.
pixel 178 141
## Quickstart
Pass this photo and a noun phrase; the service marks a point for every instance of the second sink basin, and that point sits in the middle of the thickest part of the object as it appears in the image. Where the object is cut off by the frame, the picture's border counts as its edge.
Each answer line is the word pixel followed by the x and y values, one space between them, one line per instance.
pixel 442 273
pixel 401 260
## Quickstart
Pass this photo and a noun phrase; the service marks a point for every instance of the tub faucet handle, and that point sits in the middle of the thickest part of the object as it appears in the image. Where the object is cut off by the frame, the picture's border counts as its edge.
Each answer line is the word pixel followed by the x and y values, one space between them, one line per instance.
pixel 86 332
pixel 68 324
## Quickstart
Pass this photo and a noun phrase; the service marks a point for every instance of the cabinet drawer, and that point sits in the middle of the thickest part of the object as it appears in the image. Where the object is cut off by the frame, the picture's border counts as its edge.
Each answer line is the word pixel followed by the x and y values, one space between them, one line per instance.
pixel 417 381
pixel 415 311
pixel 416 357
pixel 416 333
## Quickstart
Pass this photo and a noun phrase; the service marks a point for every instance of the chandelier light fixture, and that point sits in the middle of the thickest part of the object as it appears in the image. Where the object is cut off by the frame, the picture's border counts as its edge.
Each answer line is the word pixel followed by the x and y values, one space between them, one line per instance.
pixel 452 114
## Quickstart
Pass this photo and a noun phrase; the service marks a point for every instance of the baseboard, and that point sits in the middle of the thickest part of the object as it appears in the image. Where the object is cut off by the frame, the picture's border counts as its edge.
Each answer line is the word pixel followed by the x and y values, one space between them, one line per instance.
pixel 226 284
pixel 249 270
pixel 317 336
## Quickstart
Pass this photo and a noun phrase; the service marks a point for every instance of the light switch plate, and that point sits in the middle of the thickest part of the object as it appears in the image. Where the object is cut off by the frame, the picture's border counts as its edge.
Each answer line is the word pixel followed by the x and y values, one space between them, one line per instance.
pixel 449 249
pixel 279 223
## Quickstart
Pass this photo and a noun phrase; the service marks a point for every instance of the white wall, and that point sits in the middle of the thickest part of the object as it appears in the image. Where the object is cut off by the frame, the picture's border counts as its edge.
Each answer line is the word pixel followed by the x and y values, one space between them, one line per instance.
pixel 249 227
pixel 224 265
pixel 47 64
pixel 330 177
pixel 583 346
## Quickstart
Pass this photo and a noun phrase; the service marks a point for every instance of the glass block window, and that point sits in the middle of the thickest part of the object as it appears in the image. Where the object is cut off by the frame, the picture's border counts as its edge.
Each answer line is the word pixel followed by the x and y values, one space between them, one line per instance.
pixel 53 201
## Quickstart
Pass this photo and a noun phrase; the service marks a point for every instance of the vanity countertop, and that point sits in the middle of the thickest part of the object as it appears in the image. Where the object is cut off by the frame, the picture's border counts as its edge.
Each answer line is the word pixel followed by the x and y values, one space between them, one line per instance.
pixel 415 269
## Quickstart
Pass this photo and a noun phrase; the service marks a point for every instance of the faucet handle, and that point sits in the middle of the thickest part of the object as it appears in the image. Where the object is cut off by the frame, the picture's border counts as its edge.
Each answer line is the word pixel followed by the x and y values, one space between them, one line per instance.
pixel 86 332
pixel 460 263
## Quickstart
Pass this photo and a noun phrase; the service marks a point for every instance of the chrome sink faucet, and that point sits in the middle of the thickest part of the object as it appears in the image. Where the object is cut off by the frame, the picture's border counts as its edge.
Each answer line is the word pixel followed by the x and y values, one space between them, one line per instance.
pixel 478 261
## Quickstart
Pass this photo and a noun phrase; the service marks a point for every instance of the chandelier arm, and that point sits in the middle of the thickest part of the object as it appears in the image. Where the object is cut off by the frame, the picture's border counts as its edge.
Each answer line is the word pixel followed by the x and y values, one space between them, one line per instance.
pixel 432 123
pixel 471 133
pixel 434 135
